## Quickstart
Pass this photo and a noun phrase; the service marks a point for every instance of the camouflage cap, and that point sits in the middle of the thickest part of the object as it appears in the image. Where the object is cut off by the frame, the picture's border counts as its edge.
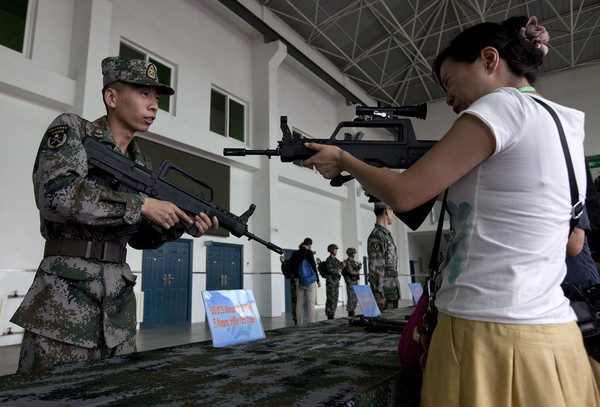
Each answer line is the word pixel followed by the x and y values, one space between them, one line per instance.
pixel 332 247
pixel 130 70
pixel 350 251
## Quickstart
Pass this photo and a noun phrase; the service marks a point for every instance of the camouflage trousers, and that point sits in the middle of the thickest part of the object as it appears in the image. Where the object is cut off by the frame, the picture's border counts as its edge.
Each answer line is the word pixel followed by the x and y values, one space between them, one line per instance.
pixel 352 299
pixel 293 297
pixel 392 292
pixel 41 353
pixel 333 291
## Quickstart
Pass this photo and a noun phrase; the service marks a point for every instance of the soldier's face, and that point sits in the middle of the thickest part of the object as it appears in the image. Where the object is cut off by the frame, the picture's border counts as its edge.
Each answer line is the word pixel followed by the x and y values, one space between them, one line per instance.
pixel 390 215
pixel 135 107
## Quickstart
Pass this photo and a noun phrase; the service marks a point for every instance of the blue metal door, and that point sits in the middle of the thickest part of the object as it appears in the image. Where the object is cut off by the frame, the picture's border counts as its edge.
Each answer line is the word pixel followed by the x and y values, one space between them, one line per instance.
pixel 224 266
pixel 166 282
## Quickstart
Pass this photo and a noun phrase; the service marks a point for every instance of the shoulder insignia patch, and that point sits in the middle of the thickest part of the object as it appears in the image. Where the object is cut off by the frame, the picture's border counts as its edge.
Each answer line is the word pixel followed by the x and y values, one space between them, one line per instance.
pixel 57 137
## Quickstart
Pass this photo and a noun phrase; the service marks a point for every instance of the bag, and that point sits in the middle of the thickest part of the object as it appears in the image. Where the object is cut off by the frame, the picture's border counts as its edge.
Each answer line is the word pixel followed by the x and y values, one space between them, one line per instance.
pixel 586 306
pixel 410 348
pixel 322 267
pixel 285 268
pixel 414 341
pixel 306 273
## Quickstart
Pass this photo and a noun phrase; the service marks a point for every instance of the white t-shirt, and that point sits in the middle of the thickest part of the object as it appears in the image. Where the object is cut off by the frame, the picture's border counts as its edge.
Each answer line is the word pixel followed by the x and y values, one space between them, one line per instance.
pixel 510 216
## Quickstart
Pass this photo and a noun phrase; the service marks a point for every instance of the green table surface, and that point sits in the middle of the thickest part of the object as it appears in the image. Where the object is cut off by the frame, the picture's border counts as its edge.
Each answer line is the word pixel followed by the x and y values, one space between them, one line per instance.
pixel 328 363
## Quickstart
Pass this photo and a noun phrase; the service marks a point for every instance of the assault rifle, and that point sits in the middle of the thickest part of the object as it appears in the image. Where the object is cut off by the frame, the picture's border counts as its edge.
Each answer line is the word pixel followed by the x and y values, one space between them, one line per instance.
pixel 401 153
pixel 132 177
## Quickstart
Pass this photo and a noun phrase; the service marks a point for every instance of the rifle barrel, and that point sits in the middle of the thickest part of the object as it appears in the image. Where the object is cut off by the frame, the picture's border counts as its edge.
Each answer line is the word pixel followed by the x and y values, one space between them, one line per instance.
pixel 269 245
pixel 242 152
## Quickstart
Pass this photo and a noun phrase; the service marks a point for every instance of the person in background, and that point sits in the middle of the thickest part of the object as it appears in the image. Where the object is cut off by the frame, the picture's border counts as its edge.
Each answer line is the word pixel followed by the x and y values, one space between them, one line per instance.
pixel 308 292
pixel 581 268
pixel 351 273
pixel 288 274
pixel 81 304
pixel 332 280
pixel 506 334
pixel 383 259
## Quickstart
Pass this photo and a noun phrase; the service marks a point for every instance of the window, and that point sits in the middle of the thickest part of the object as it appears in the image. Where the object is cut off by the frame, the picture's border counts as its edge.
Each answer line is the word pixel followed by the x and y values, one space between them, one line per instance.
pixel 227 116
pixel 13 29
pixel 298 136
pixel 164 72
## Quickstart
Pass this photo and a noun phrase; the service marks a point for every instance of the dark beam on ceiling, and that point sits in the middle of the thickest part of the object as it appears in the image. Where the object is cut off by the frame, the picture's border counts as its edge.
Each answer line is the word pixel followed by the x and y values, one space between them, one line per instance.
pixel 272 35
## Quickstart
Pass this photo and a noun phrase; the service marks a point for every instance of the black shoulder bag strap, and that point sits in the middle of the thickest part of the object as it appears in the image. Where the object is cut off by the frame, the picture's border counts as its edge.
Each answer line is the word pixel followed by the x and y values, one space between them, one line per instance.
pixel 434 261
pixel 431 286
pixel 576 204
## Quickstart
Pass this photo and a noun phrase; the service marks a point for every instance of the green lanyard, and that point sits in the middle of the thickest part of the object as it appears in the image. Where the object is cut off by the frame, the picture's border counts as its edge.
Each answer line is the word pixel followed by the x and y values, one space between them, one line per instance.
pixel 527 89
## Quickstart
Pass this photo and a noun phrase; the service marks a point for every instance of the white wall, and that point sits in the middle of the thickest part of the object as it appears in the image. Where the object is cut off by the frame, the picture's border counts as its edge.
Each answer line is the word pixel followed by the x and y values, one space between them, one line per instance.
pixel 61 72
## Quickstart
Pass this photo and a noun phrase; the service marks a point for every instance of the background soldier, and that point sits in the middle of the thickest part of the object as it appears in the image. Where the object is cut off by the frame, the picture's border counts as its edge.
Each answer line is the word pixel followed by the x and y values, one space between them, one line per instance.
pixel 383 259
pixel 351 273
pixel 334 267
pixel 81 303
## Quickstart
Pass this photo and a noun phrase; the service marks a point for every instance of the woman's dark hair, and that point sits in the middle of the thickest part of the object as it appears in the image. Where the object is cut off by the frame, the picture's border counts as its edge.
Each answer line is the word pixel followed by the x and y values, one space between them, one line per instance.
pixel 522 56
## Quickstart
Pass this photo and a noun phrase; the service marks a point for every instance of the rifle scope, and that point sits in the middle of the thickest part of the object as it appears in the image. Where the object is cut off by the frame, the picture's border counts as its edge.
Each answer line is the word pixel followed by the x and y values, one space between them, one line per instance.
pixel 419 111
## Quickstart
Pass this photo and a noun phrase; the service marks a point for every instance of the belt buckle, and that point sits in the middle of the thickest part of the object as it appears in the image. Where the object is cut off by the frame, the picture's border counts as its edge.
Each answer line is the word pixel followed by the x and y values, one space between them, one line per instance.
pixel 88 250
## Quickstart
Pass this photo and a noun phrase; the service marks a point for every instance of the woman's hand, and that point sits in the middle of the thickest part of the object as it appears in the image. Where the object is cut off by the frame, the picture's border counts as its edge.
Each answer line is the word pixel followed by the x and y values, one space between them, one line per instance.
pixel 328 160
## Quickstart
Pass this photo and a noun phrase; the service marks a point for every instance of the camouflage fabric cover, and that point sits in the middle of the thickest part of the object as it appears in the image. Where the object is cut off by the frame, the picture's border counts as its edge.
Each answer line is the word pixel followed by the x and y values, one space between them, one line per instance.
pixel 135 71
pixel 327 363
pixel 332 284
pixel 383 260
pixel 81 301
pixel 351 273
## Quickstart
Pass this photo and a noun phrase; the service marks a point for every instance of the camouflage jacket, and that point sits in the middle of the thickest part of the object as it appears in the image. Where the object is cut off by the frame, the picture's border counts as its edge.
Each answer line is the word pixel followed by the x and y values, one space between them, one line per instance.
pixel 334 267
pixel 383 260
pixel 72 299
pixel 351 272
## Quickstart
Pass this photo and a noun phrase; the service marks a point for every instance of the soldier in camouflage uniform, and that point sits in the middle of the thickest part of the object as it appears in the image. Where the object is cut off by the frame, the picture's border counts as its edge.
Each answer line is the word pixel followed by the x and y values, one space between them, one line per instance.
pixel 383 259
pixel 334 267
pixel 351 273
pixel 81 303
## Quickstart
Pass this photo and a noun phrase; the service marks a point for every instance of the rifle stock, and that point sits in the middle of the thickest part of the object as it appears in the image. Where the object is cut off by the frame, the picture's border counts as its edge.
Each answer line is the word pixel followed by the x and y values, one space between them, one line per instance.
pixel 133 177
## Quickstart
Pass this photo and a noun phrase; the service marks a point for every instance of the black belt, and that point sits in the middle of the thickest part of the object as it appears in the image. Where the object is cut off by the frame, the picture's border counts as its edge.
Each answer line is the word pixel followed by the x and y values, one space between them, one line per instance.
pixel 109 252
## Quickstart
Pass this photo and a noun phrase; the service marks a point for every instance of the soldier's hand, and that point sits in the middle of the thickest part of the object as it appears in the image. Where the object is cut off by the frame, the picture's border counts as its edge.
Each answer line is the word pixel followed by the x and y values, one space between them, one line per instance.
pixel 381 303
pixel 163 213
pixel 204 223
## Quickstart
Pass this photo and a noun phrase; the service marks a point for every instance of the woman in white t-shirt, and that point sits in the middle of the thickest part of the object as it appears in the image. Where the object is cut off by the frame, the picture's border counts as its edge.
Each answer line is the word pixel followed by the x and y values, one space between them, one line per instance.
pixel 506 334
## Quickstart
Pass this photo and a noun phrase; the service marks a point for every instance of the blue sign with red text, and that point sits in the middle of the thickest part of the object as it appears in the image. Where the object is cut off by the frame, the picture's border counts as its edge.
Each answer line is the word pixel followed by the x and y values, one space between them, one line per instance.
pixel 232 316
pixel 366 300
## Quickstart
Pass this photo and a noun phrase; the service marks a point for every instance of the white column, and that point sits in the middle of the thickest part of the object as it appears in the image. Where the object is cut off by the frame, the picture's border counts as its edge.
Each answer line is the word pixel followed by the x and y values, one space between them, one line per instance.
pixel 89 46
pixel 265 134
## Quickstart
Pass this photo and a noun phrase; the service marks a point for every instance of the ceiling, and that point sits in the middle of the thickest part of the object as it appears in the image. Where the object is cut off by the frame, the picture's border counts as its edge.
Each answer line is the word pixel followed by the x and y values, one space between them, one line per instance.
pixel 386 47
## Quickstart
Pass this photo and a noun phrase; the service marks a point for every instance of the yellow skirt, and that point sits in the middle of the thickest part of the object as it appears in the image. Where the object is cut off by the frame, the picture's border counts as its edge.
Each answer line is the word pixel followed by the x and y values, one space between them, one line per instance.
pixel 483 364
